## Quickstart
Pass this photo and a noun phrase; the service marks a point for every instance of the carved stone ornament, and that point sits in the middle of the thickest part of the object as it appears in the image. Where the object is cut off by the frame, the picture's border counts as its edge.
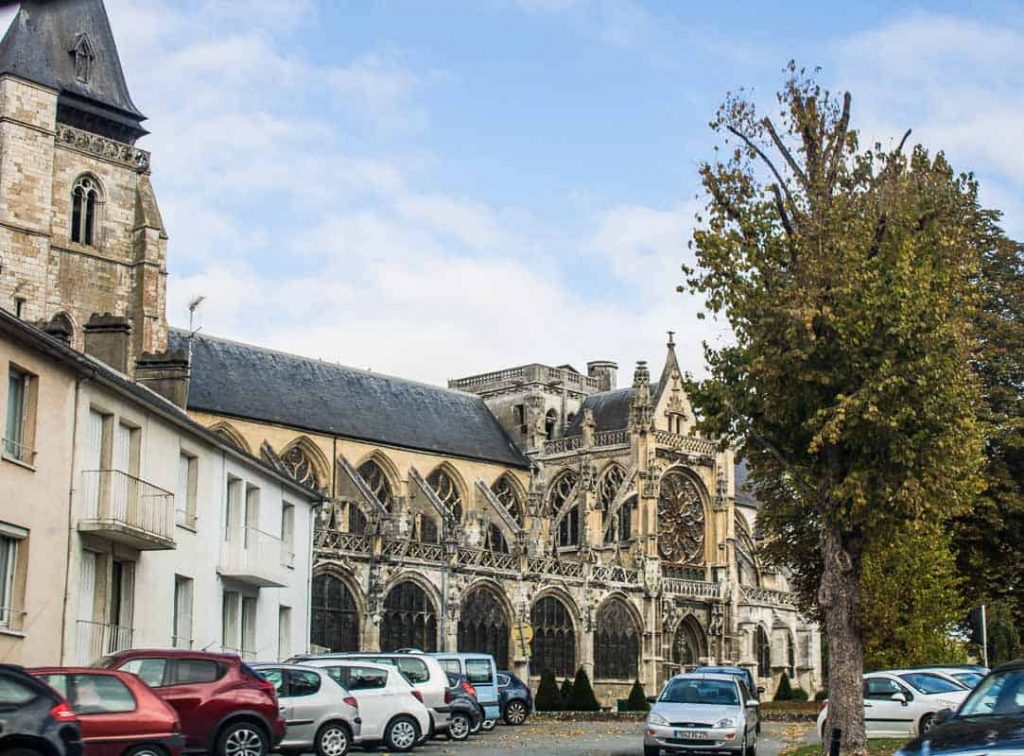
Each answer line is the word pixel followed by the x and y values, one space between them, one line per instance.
pixel 680 520
pixel 652 577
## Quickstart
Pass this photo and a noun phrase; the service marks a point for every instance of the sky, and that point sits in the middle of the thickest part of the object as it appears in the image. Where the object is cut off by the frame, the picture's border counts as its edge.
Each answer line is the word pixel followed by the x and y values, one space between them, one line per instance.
pixel 438 188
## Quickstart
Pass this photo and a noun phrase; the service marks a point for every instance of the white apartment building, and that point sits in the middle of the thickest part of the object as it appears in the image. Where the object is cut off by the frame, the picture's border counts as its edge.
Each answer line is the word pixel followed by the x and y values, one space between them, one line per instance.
pixel 166 535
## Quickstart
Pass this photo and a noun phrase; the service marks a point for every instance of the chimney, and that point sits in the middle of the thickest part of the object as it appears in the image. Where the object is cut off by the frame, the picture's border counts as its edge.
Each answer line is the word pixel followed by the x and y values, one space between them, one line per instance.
pixel 605 372
pixel 108 339
pixel 166 373
pixel 59 326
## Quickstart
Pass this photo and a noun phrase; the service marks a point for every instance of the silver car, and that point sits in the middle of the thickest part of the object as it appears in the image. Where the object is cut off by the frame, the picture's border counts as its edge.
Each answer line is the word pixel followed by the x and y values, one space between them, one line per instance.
pixel 702 712
pixel 321 715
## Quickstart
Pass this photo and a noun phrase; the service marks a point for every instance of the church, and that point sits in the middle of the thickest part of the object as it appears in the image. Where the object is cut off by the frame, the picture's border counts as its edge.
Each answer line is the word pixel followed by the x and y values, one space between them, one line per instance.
pixel 543 514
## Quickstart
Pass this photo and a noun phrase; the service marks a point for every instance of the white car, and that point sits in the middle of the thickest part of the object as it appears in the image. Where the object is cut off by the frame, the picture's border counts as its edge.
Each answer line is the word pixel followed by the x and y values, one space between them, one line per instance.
pixel 902 703
pixel 969 677
pixel 391 710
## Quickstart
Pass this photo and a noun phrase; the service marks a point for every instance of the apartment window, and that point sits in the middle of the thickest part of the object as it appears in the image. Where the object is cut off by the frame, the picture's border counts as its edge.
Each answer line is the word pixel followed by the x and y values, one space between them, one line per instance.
pixel 284 632
pixel 288 534
pixel 230 619
pixel 188 469
pixel 233 517
pixel 12 540
pixel 19 431
pixel 252 507
pixel 248 627
pixel 182 612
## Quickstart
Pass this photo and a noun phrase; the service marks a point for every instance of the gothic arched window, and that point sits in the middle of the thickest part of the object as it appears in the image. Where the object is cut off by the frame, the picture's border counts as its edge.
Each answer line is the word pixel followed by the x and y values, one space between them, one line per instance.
pixel 356 519
pixel 298 464
pixel 484 625
pixel 374 477
pixel 689 644
pixel 505 492
pixel 746 561
pixel 564 506
pixel 335 621
pixel 447 491
pixel 410 619
pixel 616 643
pixel 550 424
pixel 494 539
pixel 622 527
pixel 426 532
pixel 762 652
pixel 84 206
pixel 680 520
pixel 554 638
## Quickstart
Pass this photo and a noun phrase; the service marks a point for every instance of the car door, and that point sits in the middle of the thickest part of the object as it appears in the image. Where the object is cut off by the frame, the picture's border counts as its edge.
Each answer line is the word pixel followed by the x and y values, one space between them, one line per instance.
pixel 279 680
pixel 750 708
pixel 105 708
pixel 370 687
pixel 187 687
pixel 481 673
pixel 304 704
pixel 883 716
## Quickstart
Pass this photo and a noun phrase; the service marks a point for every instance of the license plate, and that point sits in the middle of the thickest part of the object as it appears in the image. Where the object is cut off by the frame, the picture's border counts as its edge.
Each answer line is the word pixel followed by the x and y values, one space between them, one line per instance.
pixel 691 735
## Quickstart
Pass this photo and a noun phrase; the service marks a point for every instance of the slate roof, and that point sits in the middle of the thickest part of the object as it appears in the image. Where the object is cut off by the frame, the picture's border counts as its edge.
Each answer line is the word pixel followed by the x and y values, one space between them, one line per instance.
pixel 38 47
pixel 245 381
pixel 610 408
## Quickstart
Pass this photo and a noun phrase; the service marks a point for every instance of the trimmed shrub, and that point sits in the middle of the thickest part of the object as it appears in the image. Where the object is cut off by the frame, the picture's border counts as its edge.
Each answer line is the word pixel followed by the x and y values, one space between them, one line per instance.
pixel 785 691
pixel 798 694
pixel 583 698
pixel 566 694
pixel 821 695
pixel 548 697
pixel 637 700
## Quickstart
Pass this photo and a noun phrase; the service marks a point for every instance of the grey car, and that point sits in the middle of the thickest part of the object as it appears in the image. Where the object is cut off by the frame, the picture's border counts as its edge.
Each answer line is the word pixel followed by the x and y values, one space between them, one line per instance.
pixel 702 712
pixel 321 715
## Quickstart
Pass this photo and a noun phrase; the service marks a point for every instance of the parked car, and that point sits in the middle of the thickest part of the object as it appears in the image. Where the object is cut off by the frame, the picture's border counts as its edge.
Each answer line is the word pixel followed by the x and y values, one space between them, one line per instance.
pixel 467 715
pixel 482 671
pixel 117 712
pixel 515 699
pixel 320 714
pixel 990 721
pixel 902 703
pixel 742 673
pixel 224 706
pixel 390 707
pixel 35 718
pixel 702 712
pixel 422 671
pixel 967 675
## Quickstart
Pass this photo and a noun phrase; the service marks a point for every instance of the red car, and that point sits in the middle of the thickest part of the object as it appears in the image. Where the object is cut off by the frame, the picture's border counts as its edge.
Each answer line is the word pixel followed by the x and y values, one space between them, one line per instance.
pixel 117 713
pixel 225 707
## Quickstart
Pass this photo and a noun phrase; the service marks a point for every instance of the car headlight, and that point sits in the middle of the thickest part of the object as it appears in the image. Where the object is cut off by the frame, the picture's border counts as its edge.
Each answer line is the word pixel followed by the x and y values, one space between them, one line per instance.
pixel 725 722
pixel 655 718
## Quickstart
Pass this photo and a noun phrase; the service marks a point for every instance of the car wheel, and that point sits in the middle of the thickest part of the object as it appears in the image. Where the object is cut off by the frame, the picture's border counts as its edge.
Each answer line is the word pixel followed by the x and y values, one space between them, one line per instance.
pixel 927 723
pixel 402 734
pixel 652 751
pixel 242 739
pixel 458 727
pixel 751 749
pixel 515 713
pixel 475 728
pixel 145 750
pixel 488 725
pixel 332 740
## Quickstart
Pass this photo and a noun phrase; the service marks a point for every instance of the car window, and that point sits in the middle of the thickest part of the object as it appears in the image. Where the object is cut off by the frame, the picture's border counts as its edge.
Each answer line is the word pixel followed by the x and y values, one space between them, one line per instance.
pixel 14 692
pixel 276 678
pixel 150 671
pixel 191 671
pixel 998 694
pixel 302 683
pixel 340 675
pixel 881 688
pixel 99 694
pixel 714 692
pixel 479 671
pixel 451 666
pixel 970 679
pixel 58 682
pixel 367 678
pixel 503 680
pixel 924 682
pixel 413 670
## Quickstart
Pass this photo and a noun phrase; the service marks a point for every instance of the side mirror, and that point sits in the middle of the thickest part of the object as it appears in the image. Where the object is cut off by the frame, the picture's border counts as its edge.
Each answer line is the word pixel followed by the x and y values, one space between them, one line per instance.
pixel 652 699
pixel 943 715
pixel 760 690
pixel 899 697
pixel 753 702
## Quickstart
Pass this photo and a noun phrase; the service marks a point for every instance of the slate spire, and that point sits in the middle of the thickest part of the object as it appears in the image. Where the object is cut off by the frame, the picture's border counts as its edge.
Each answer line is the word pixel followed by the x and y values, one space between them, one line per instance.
pixel 67 45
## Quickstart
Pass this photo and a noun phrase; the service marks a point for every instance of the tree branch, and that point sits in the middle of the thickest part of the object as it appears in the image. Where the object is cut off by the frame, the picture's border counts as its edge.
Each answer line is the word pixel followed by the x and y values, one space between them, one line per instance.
pixel 835 152
pixel 778 176
pixel 781 207
pixel 784 150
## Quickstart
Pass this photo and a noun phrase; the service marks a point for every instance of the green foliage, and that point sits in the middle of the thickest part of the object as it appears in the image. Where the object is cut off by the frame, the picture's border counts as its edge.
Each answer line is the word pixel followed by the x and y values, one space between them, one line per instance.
pixel 582 697
pixel 1003 635
pixel 548 697
pixel 785 691
pixel 910 599
pixel 798 694
pixel 566 694
pixel 637 698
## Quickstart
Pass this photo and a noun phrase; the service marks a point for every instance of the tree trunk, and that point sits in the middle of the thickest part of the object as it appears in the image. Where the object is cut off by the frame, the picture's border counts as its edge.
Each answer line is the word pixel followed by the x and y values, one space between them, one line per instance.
pixel 838 595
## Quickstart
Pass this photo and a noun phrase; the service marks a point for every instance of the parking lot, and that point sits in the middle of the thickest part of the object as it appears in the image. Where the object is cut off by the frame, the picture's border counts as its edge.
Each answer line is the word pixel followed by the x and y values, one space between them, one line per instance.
pixel 544 738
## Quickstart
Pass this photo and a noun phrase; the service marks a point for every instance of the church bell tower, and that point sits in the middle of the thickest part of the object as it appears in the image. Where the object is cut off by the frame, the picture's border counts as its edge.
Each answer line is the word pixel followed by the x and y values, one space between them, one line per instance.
pixel 80 229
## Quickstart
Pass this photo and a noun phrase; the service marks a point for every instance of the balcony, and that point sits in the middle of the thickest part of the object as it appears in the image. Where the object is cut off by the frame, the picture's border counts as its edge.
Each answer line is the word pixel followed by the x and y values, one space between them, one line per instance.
pixel 254 557
pixel 97 639
pixel 126 509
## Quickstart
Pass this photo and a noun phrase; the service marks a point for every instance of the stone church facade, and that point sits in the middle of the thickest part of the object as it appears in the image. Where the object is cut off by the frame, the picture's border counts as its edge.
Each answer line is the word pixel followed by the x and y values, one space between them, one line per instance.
pixel 541 514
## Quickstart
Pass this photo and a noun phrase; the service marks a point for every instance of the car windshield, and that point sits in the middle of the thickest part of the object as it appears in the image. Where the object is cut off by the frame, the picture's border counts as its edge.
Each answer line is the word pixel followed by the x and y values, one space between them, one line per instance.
pixel 970 679
pixel 998 694
pixel 929 684
pixel 712 692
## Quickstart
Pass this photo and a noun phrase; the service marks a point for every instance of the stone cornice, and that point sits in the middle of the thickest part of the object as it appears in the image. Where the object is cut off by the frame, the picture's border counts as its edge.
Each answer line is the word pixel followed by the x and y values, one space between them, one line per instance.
pixel 102 147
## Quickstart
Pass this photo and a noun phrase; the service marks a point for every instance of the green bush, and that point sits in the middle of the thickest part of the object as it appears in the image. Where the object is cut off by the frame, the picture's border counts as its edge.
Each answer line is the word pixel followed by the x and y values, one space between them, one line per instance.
pixel 821 695
pixel 637 699
pixel 566 694
pixel 785 691
pixel 582 698
pixel 798 694
pixel 548 697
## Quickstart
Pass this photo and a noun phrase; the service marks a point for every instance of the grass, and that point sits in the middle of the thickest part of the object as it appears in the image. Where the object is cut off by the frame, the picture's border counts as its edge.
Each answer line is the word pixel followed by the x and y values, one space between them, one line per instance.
pixel 875 748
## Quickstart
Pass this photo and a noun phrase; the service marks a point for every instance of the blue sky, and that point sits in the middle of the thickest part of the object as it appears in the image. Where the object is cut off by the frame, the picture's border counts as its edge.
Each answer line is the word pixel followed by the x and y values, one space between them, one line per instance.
pixel 436 188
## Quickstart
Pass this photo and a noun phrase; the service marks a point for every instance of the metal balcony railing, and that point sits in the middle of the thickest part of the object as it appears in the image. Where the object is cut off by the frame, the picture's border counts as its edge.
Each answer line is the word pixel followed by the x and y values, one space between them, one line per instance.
pixel 97 639
pixel 254 557
pixel 126 508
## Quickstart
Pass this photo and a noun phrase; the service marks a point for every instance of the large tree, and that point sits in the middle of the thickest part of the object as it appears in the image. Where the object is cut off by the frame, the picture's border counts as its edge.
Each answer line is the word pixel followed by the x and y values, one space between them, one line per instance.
pixel 848 278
